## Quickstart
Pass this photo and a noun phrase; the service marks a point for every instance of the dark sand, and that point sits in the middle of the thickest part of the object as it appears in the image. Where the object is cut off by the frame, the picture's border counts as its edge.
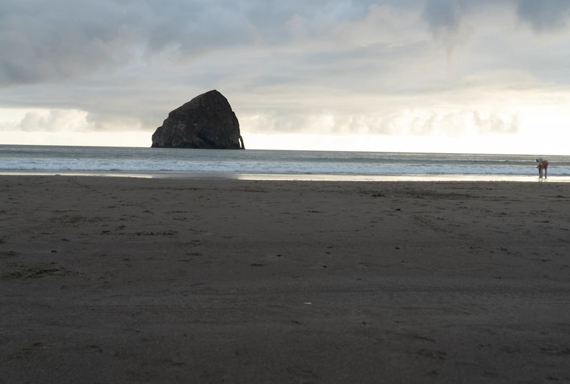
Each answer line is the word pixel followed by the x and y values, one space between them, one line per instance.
pixel 117 280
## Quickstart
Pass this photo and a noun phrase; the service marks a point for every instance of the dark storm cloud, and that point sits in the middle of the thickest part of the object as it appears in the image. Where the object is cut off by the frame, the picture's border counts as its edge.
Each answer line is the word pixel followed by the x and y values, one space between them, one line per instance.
pixel 49 41
pixel 43 41
pixel 544 15
pixel 444 14
pixel 56 40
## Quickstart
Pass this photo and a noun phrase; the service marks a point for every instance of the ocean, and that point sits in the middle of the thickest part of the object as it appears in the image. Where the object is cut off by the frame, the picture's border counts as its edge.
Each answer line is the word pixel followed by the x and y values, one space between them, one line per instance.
pixel 274 165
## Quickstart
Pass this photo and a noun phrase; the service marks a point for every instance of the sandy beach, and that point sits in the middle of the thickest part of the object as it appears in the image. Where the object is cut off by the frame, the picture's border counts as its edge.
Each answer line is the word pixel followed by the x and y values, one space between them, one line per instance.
pixel 128 280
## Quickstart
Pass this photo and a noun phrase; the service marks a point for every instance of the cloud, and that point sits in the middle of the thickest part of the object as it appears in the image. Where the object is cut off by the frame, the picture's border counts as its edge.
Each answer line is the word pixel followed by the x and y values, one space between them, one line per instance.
pixel 444 15
pixel 496 124
pixel 53 41
pixel 336 66
pixel 417 121
pixel 48 120
pixel 59 40
pixel 454 22
pixel 544 15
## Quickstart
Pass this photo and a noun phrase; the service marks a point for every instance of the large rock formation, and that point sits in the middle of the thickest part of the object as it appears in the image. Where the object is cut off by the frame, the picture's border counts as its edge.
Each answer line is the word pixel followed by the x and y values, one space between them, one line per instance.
pixel 206 121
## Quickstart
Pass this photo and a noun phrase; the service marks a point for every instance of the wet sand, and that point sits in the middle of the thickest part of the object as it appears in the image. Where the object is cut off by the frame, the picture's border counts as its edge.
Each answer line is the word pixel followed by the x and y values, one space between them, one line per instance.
pixel 208 281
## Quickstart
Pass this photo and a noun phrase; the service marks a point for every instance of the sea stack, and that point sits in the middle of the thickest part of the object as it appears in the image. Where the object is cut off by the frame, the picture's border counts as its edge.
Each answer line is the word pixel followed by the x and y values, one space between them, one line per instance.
pixel 207 121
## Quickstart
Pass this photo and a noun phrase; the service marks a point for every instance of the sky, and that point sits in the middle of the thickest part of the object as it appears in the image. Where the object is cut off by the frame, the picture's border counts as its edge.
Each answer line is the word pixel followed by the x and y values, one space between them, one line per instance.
pixel 475 76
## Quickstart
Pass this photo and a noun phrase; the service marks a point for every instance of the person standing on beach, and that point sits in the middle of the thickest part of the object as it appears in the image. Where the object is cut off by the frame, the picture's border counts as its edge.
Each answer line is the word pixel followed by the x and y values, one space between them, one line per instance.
pixel 542 165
